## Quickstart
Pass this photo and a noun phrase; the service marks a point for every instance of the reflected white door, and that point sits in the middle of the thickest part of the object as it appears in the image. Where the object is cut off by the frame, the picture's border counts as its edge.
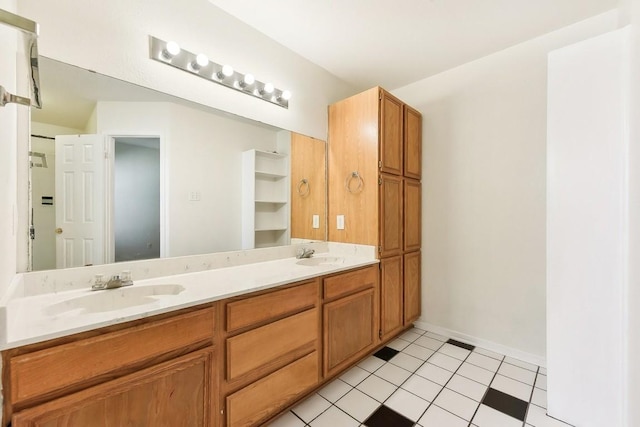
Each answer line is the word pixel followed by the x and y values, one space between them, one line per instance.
pixel 80 200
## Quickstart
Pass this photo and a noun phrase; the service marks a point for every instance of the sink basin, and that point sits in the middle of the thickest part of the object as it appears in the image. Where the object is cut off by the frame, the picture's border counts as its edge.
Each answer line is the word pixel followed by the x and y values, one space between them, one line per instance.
pixel 321 260
pixel 114 299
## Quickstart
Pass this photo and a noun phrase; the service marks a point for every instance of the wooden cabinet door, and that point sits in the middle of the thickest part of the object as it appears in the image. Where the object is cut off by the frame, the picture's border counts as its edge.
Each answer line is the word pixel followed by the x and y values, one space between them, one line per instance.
pixel 354 150
pixel 412 143
pixel 412 215
pixel 349 329
pixel 412 287
pixel 391 296
pixel 175 393
pixel 391 208
pixel 391 128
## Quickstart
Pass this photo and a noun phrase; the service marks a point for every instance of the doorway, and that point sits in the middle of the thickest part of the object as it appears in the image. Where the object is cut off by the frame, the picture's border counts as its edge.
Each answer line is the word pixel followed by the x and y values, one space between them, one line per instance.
pixel 136 198
pixel 123 198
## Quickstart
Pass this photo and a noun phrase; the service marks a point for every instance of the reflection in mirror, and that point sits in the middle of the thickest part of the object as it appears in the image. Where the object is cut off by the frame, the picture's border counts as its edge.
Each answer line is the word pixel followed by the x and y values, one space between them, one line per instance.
pixel 120 172
pixel 308 188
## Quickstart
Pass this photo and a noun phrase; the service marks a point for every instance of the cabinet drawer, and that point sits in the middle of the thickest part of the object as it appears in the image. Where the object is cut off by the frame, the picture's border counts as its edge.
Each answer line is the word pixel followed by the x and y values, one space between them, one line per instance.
pixel 175 393
pixel 255 310
pixel 348 283
pixel 89 360
pixel 271 344
pixel 264 398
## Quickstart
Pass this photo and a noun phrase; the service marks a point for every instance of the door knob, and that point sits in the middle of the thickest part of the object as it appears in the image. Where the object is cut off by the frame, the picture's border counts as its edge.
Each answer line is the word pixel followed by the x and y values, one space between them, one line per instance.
pixel 58 230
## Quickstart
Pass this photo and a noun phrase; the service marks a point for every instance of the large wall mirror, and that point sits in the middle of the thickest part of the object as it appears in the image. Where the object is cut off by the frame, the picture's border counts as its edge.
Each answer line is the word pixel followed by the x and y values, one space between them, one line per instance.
pixel 120 173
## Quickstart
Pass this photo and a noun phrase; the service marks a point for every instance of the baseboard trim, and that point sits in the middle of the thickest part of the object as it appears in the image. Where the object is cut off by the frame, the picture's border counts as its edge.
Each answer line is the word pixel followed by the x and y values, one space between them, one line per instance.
pixel 486 344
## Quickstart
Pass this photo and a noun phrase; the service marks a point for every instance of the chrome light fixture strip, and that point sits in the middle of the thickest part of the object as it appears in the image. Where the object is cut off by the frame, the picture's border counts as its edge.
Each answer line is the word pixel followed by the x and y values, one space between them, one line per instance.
pixel 168 53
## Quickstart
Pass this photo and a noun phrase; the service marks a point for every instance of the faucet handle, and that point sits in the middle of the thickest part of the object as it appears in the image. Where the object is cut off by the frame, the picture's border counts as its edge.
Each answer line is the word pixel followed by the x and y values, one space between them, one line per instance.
pixel 98 283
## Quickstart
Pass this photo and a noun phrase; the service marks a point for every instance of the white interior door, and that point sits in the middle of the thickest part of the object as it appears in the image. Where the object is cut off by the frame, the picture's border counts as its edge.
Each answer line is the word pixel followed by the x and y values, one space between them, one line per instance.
pixel 80 200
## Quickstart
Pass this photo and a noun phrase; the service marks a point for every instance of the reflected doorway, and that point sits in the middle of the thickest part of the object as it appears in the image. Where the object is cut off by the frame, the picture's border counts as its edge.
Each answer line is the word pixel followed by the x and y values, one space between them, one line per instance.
pixel 128 219
pixel 136 198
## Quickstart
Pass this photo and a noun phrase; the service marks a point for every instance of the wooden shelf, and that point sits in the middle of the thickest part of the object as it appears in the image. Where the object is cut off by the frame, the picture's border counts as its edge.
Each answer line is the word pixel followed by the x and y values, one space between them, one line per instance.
pixel 265 212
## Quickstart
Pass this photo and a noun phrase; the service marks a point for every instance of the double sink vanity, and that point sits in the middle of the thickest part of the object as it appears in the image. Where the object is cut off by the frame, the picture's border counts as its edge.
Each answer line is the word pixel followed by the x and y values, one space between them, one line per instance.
pixel 230 346
pixel 229 338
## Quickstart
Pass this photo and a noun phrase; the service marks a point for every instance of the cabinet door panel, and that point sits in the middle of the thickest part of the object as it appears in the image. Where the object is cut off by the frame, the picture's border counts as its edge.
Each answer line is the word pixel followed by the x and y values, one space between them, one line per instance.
pixel 353 147
pixel 349 329
pixel 412 143
pixel 412 287
pixel 391 129
pixel 391 295
pixel 176 393
pixel 391 208
pixel 412 215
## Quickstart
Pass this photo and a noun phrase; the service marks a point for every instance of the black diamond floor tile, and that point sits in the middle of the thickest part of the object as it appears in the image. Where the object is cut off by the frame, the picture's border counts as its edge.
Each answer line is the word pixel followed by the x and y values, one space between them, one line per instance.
pixel 505 403
pixel 385 417
pixel 386 353
pixel 461 344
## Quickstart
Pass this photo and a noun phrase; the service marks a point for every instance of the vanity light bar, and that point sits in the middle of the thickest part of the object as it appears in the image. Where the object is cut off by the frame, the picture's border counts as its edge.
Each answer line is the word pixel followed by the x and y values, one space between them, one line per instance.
pixel 171 54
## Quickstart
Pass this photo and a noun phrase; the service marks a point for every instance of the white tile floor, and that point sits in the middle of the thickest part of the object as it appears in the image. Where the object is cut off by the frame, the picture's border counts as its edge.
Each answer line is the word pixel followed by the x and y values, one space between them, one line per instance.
pixel 429 383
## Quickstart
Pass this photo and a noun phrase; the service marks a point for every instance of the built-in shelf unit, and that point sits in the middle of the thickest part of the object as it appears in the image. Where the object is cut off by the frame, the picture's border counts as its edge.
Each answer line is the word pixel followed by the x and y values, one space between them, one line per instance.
pixel 265 201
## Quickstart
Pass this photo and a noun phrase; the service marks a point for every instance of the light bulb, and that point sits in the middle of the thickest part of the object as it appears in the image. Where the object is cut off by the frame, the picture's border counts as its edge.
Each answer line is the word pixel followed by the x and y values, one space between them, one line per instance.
pixel 268 88
pixel 249 79
pixel 286 95
pixel 170 50
pixel 227 70
pixel 202 60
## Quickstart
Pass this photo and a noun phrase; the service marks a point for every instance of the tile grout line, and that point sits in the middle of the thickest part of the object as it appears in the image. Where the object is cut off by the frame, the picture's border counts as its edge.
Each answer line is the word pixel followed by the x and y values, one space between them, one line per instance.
pixel 487 390
pixel 533 389
pixel 414 373
pixel 398 387
pixel 445 384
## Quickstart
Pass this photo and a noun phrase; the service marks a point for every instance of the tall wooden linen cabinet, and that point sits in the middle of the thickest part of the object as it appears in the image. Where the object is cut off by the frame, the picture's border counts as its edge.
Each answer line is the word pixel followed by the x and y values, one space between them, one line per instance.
pixel 375 167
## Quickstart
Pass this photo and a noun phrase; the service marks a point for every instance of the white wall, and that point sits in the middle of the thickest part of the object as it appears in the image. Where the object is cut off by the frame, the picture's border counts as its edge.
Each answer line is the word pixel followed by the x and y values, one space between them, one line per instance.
pixel 8 152
pixel 633 278
pixel 8 134
pixel 44 216
pixel 202 153
pixel 587 229
pixel 484 157
pixel 111 37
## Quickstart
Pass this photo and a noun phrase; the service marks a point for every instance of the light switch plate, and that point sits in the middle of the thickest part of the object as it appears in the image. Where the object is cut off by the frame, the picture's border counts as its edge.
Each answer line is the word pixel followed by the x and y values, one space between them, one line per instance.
pixel 340 222
pixel 315 221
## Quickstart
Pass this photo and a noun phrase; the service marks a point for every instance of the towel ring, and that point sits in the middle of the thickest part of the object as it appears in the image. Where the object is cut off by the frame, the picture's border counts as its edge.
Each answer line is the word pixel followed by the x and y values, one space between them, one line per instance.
pixel 303 187
pixel 348 185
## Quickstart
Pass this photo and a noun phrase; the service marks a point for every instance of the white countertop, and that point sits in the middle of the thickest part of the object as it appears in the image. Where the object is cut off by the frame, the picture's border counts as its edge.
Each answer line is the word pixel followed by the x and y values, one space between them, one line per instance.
pixel 42 317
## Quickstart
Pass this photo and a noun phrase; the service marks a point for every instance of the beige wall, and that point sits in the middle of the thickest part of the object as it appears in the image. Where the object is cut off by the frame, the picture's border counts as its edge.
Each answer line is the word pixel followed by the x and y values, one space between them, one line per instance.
pixel 8 136
pixel 633 300
pixel 484 195
pixel 8 132
pixel 112 38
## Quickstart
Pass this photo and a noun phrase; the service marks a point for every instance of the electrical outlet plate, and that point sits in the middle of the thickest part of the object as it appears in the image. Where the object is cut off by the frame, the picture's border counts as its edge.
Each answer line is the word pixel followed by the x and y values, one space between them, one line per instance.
pixel 340 222
pixel 315 221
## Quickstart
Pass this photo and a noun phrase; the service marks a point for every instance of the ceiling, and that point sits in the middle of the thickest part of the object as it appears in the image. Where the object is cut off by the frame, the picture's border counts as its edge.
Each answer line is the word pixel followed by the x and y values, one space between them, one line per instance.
pixel 392 43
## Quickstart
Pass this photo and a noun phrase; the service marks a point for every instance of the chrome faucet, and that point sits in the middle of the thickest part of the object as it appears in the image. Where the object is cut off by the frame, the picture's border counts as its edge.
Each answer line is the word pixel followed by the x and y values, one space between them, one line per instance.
pixel 113 283
pixel 305 253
